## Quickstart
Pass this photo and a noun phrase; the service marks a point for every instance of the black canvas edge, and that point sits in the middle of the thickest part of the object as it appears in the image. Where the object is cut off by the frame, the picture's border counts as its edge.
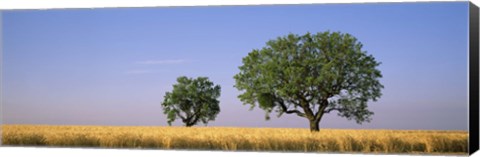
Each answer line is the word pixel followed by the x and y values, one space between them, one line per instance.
pixel 473 79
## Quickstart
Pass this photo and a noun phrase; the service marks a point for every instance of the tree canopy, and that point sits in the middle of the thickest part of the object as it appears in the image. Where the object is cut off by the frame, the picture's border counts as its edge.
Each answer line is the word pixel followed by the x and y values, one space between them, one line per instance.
pixel 192 100
pixel 310 75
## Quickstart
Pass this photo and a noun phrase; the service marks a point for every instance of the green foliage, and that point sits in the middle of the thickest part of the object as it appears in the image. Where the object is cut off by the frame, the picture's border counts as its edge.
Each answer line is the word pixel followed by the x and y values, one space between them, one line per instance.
pixel 310 75
pixel 192 100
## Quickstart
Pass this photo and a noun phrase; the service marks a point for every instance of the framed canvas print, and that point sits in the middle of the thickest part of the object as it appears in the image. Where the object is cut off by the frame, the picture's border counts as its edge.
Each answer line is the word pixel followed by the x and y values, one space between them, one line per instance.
pixel 359 78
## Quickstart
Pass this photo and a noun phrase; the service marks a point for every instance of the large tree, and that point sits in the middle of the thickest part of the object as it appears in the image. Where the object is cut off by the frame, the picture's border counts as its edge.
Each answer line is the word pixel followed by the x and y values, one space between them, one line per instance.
pixel 311 75
pixel 192 100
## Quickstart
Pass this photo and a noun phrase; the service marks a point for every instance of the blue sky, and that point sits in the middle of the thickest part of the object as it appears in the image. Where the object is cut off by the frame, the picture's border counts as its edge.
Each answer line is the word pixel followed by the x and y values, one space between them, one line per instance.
pixel 113 66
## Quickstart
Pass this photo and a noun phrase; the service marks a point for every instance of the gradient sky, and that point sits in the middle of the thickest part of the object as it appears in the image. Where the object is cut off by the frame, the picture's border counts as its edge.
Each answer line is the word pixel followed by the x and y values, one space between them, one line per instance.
pixel 113 66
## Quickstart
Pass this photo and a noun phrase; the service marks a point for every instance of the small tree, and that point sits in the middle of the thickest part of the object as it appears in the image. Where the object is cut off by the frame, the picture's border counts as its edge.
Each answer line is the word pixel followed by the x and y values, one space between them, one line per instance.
pixel 309 76
pixel 192 100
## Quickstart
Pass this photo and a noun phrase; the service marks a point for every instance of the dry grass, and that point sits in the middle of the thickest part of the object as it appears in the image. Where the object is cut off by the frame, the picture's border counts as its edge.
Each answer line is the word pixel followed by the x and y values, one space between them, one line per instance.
pixel 250 139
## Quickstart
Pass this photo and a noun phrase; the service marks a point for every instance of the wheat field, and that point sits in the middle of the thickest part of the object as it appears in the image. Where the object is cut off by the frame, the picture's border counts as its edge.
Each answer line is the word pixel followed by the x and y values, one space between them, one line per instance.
pixel 242 139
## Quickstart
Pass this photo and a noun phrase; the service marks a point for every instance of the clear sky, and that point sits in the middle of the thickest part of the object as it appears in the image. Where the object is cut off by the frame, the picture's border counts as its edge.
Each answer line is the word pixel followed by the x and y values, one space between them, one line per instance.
pixel 113 66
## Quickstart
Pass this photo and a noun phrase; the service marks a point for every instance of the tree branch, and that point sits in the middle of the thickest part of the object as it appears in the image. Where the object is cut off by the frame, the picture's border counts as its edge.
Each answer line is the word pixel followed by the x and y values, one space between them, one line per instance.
pixel 285 109
pixel 195 117
pixel 195 120
pixel 333 109
pixel 321 109
pixel 306 107
pixel 179 114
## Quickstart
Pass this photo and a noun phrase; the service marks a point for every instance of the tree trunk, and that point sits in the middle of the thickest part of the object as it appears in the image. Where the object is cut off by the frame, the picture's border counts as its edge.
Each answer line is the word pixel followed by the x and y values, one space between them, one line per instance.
pixel 189 123
pixel 314 126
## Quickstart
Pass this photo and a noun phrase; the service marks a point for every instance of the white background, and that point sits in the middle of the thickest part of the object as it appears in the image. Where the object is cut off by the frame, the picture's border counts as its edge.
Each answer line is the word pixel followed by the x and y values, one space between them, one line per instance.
pixel 83 152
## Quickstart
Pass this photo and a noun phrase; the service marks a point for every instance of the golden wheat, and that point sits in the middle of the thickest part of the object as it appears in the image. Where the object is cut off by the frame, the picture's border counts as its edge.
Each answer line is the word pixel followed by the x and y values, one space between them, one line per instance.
pixel 249 139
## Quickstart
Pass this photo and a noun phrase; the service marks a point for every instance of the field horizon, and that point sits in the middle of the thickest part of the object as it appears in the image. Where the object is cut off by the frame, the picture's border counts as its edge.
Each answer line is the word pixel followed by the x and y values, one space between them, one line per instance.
pixel 250 127
pixel 379 141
